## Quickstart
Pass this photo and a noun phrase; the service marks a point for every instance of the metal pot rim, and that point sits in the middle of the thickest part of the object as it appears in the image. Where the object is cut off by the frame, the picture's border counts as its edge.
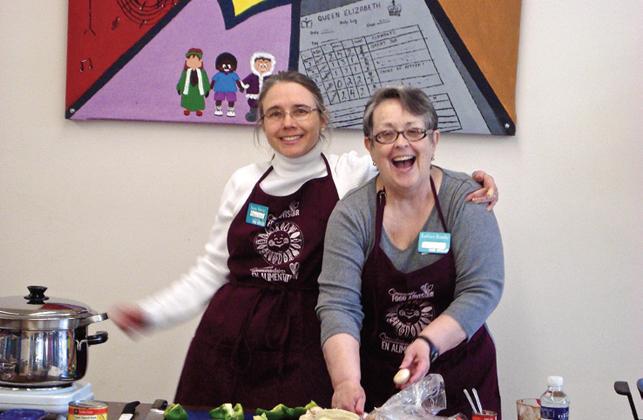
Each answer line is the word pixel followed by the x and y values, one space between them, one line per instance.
pixel 50 323
pixel 38 307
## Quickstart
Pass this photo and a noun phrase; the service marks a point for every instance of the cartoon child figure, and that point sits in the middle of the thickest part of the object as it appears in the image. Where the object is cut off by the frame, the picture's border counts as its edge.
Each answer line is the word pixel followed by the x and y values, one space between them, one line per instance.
pixel 261 64
pixel 193 86
pixel 225 83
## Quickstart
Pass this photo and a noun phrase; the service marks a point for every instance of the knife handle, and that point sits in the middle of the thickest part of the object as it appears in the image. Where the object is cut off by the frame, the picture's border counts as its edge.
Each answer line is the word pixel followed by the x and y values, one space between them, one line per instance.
pixel 130 407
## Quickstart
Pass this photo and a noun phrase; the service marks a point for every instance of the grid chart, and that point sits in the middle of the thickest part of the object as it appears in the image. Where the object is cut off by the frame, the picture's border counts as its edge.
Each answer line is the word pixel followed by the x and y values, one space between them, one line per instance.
pixel 348 71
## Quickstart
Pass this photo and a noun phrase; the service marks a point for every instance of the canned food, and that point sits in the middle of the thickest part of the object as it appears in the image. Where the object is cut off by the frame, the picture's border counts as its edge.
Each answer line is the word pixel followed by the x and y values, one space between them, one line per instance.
pixel 87 410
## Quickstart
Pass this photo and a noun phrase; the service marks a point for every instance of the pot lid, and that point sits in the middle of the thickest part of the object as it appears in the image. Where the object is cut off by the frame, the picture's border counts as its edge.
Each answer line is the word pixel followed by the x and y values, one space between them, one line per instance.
pixel 37 306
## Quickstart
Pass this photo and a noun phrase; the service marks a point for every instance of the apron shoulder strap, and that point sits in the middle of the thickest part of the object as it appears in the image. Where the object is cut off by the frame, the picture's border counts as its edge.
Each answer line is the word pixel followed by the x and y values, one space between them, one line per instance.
pixel 265 174
pixel 379 217
pixel 437 205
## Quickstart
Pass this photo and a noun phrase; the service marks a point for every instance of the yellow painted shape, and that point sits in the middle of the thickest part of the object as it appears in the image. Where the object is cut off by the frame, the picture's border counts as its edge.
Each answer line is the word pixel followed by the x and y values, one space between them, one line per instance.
pixel 241 6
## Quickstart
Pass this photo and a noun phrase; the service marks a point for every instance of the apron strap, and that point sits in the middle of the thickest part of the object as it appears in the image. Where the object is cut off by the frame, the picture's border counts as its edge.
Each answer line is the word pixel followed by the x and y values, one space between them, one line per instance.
pixel 375 253
pixel 265 174
pixel 328 172
pixel 437 204
pixel 379 218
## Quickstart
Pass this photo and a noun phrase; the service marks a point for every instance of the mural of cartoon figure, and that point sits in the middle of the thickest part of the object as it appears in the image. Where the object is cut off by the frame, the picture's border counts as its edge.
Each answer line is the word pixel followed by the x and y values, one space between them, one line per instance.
pixel 225 83
pixel 193 86
pixel 261 64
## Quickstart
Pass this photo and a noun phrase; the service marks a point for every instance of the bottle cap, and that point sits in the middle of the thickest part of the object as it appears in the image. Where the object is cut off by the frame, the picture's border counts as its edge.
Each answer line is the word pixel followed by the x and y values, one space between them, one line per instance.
pixel 555 380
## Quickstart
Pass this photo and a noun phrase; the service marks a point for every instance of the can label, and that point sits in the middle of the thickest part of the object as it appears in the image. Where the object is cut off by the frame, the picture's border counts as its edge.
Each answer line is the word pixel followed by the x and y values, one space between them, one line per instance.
pixel 554 413
pixel 87 410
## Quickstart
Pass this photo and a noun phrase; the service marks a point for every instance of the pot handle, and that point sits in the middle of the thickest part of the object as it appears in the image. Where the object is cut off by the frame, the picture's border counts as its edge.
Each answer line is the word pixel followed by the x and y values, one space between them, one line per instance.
pixel 91 319
pixel 98 338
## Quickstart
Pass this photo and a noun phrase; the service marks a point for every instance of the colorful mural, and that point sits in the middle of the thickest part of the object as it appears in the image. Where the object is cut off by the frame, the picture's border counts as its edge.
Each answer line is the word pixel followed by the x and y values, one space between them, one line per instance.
pixel 204 61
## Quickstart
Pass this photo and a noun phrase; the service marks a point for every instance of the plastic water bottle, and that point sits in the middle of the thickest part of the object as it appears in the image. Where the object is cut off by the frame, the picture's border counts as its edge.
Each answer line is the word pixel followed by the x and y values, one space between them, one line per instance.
pixel 554 404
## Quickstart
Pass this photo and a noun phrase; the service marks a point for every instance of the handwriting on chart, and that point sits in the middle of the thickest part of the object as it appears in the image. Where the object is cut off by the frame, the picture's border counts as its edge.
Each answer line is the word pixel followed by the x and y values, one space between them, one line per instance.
pixel 348 71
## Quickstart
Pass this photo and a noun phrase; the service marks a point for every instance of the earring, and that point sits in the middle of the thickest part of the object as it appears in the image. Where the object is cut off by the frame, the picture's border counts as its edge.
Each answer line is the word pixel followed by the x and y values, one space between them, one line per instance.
pixel 374 164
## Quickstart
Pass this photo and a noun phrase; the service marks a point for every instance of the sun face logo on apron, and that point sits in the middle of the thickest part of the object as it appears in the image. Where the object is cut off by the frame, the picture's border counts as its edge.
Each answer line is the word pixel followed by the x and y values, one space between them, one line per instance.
pixel 412 312
pixel 280 243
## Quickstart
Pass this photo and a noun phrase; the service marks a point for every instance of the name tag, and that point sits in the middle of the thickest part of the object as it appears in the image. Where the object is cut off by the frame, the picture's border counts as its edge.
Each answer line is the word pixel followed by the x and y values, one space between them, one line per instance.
pixel 257 215
pixel 434 242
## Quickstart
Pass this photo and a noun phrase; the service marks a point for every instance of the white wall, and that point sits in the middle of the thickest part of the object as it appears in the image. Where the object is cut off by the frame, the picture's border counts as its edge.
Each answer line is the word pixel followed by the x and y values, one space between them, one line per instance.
pixel 105 212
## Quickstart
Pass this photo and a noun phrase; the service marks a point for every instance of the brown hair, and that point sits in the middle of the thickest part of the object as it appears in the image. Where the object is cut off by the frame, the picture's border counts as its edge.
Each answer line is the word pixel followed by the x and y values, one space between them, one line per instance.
pixel 293 77
pixel 193 52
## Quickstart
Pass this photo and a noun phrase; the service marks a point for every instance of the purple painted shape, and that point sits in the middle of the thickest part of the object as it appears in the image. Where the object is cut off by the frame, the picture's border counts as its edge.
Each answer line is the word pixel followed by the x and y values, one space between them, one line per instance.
pixel 145 89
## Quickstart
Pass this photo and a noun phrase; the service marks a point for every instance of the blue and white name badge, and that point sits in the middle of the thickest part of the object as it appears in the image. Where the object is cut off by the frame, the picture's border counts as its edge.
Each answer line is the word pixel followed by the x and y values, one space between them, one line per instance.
pixel 434 242
pixel 257 215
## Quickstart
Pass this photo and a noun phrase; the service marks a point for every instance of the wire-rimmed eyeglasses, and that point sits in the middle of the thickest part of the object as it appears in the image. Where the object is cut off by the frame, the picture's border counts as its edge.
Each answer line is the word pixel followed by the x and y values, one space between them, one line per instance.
pixel 299 113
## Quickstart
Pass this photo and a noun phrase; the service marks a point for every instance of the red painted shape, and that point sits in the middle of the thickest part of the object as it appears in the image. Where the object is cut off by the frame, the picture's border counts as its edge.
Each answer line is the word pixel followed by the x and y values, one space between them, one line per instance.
pixel 99 32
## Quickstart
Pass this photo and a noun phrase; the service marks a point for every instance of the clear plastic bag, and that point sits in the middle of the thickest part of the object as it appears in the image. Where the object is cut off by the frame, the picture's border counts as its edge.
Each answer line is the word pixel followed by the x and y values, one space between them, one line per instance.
pixel 420 401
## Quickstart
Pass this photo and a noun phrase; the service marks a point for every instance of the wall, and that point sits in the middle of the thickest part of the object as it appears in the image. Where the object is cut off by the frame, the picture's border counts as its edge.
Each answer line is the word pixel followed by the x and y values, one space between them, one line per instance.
pixel 106 212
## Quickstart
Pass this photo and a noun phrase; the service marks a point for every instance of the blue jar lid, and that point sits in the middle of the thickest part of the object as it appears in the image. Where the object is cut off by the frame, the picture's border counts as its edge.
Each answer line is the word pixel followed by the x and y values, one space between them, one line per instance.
pixel 22 414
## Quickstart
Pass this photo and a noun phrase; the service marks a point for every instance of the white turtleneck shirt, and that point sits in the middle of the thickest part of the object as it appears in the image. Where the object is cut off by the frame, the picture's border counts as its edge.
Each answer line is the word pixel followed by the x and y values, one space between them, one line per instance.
pixel 190 294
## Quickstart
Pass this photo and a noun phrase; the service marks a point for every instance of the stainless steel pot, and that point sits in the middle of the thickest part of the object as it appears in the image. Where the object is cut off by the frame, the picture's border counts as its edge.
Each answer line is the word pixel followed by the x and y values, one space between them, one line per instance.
pixel 43 341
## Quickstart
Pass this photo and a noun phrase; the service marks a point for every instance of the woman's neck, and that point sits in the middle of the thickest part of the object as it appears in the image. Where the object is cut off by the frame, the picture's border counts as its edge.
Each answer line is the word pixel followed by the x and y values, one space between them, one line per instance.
pixel 286 166
pixel 412 197
pixel 407 211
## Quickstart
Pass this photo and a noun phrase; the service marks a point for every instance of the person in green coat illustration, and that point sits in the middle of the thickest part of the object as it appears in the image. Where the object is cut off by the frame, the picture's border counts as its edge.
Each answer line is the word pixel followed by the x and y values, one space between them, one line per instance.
pixel 193 86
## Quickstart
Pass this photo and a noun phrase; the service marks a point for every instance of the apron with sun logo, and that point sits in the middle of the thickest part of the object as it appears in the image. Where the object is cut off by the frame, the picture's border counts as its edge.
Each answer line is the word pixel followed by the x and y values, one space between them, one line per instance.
pixel 258 341
pixel 397 307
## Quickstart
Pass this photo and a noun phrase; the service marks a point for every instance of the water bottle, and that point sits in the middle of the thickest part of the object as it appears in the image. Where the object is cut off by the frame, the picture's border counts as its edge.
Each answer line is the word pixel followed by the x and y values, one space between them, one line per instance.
pixel 554 404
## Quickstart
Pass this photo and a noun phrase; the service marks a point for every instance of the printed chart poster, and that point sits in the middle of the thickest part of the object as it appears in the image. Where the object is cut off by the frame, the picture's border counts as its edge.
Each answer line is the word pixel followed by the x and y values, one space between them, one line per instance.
pixel 205 61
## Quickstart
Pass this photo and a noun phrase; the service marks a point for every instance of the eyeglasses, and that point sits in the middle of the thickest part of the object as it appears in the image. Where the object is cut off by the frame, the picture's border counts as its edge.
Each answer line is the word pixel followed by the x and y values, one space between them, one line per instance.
pixel 299 113
pixel 390 136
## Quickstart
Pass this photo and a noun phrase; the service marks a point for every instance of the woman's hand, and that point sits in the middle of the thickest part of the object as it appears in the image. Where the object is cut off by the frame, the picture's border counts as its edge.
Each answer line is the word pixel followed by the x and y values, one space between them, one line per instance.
pixel 417 358
pixel 349 396
pixel 488 193
pixel 128 318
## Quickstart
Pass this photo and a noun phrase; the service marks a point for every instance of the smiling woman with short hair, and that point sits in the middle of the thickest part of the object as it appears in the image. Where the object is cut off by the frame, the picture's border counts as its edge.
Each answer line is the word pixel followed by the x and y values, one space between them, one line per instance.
pixel 411 271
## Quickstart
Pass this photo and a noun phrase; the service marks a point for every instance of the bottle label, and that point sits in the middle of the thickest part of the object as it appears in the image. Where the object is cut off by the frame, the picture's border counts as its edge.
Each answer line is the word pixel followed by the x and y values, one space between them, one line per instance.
pixel 554 413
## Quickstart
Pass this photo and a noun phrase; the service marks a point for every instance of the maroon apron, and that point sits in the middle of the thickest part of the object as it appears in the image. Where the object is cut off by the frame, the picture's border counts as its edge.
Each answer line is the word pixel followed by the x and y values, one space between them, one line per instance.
pixel 258 342
pixel 397 307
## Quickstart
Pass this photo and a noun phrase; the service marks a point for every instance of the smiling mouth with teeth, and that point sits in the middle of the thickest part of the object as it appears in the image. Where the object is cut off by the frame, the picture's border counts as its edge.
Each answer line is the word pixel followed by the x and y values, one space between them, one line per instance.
pixel 403 161
pixel 290 138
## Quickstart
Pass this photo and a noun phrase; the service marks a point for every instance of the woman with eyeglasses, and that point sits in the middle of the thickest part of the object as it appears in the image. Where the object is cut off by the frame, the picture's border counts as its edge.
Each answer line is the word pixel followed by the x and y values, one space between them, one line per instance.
pixel 258 340
pixel 411 271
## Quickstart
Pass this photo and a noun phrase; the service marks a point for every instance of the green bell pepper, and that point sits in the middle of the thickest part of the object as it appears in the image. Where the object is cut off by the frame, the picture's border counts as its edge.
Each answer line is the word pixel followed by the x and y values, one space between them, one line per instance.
pixel 281 412
pixel 175 412
pixel 227 412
